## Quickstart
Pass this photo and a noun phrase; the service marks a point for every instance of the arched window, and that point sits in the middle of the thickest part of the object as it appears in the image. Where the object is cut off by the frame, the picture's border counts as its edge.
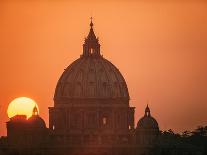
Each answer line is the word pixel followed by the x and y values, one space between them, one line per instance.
pixel 104 120
pixel 91 51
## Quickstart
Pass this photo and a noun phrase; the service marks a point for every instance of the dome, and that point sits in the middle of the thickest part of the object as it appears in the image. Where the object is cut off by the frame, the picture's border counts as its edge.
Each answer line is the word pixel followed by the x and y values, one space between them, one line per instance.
pixel 147 122
pixel 35 121
pixel 91 76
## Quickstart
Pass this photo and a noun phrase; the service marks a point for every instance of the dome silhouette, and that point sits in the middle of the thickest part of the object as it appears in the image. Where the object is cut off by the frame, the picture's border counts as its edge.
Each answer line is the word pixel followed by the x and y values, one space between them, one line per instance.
pixel 91 76
pixel 147 121
pixel 36 121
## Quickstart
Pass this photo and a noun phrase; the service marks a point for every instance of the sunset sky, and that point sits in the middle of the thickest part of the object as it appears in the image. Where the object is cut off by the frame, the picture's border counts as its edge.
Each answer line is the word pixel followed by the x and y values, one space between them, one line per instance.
pixel 159 47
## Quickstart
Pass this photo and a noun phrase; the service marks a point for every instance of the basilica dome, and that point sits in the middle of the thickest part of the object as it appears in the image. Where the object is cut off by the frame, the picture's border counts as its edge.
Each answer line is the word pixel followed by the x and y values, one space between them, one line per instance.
pixel 147 121
pixel 91 76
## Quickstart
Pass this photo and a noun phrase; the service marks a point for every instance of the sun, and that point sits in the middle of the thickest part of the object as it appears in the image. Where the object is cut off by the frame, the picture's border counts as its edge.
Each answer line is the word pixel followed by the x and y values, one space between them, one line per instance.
pixel 21 106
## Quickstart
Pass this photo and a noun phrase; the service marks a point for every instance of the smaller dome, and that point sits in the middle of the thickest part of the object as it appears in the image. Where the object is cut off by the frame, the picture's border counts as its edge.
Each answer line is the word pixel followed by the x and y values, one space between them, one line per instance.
pixel 147 122
pixel 35 121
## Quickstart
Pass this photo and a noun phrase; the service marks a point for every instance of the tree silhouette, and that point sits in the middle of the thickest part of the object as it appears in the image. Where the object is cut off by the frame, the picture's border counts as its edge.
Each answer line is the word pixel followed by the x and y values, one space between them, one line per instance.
pixel 200 131
pixel 186 134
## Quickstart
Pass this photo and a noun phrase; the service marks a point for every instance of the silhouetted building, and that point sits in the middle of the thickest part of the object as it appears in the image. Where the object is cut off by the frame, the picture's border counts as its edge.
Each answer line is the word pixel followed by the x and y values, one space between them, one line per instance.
pixel 23 132
pixel 91 114
pixel 91 102
pixel 147 129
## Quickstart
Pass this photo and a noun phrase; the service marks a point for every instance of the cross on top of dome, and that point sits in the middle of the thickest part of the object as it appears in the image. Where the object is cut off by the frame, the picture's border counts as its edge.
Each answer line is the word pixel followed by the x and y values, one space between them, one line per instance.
pixel 91 24
pixel 91 46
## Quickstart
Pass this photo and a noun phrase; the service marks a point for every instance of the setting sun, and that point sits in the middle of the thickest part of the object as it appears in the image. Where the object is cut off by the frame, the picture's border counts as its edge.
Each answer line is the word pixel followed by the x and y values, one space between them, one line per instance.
pixel 21 106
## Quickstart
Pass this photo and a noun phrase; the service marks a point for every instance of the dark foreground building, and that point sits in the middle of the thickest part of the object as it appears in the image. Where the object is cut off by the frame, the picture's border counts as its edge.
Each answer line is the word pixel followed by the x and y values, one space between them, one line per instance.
pixel 91 116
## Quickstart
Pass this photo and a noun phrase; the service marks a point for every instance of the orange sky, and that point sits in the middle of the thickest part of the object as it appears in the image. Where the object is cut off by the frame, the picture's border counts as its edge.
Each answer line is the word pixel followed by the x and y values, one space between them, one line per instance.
pixel 160 48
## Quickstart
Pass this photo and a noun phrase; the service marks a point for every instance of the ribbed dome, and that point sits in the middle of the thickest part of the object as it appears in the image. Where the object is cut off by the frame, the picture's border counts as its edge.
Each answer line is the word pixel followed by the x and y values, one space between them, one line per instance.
pixel 147 122
pixel 36 121
pixel 91 76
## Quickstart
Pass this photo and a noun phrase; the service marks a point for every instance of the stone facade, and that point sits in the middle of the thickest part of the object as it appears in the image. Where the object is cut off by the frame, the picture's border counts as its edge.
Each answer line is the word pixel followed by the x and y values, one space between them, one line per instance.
pixel 91 115
pixel 91 102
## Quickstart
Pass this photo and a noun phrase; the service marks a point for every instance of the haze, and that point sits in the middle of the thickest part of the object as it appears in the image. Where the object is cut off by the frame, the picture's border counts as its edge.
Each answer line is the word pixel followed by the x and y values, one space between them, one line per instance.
pixel 160 48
